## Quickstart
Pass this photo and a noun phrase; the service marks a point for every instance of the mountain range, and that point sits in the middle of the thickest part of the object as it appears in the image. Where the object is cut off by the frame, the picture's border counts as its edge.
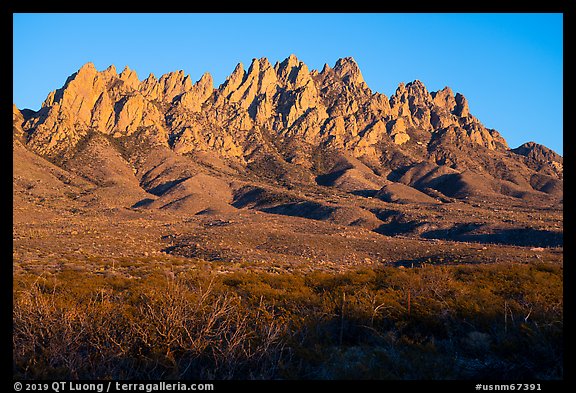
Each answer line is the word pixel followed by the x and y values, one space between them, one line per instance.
pixel 283 140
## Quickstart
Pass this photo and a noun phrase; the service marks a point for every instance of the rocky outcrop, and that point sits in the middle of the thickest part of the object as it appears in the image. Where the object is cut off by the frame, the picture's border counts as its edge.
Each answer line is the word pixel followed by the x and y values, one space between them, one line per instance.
pixel 537 152
pixel 541 158
pixel 17 121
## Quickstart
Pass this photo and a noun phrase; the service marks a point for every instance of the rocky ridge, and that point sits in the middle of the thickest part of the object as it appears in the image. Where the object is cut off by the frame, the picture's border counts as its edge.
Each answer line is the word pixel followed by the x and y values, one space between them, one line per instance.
pixel 294 125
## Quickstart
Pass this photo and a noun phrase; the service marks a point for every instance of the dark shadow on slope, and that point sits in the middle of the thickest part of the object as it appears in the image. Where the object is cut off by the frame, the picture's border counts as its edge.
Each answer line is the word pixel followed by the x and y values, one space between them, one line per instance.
pixel 455 232
pixel 396 174
pixel 438 259
pixel 395 223
pixel 142 203
pixel 312 210
pixel 243 199
pixel 469 232
pixel 365 193
pixel 450 185
pixel 387 215
pixel 329 178
pixel 207 212
pixel 193 251
pixel 162 188
pixel 526 237
pixel 27 114
pixel 397 228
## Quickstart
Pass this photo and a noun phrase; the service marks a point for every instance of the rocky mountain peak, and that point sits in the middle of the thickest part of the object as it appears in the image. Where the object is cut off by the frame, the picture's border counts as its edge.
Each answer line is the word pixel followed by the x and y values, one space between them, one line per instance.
pixel 444 99
pixel 254 67
pixel 537 152
pixel 541 159
pixel 193 99
pixel 233 81
pixel 416 84
pixel 111 70
pixel 292 59
pixel 260 79
pixel 287 64
pixel 126 70
pixel 87 68
pixel 288 70
pixel 173 84
pixel 347 69
pixel 130 78
pixel 418 94
pixel 206 81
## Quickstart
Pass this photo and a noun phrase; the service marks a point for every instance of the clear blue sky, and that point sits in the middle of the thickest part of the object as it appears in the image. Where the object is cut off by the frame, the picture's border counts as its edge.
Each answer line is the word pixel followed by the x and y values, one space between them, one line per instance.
pixel 509 66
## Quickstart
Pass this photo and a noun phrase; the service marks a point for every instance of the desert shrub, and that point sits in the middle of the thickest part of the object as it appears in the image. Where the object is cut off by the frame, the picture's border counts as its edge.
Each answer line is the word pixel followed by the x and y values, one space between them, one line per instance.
pixel 59 336
pixel 197 333
pixel 433 322
pixel 176 330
